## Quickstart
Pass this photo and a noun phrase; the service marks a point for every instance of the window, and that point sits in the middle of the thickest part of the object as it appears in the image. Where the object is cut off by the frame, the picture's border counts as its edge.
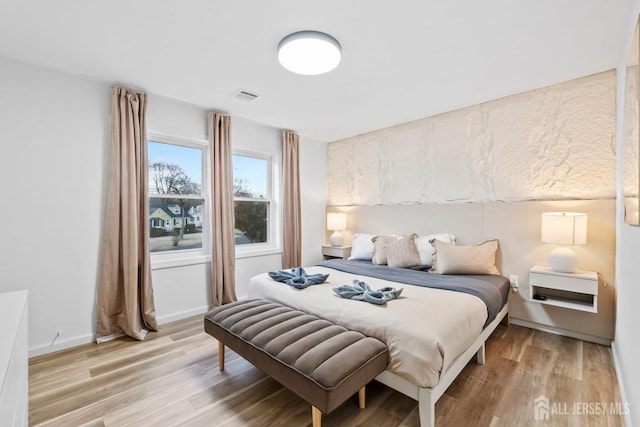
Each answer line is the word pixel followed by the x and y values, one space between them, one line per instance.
pixel 252 198
pixel 176 194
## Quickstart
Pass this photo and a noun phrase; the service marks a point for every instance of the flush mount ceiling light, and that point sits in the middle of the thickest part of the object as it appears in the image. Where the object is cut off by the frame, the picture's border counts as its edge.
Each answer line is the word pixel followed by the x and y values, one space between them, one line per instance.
pixel 309 53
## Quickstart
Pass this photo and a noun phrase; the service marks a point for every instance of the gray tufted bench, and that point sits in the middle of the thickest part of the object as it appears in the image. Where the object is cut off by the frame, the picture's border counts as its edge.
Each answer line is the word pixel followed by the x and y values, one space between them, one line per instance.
pixel 321 362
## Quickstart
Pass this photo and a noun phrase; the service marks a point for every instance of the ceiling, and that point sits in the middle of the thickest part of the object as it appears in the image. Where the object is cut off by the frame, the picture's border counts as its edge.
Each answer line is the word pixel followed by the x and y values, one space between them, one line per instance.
pixel 402 60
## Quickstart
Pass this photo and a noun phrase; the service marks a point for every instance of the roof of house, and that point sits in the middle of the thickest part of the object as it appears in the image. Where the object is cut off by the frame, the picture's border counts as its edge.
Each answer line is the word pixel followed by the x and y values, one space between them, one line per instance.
pixel 153 207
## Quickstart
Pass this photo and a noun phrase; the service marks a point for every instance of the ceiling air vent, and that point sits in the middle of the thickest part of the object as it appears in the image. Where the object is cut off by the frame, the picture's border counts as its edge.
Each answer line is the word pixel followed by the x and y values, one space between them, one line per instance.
pixel 245 95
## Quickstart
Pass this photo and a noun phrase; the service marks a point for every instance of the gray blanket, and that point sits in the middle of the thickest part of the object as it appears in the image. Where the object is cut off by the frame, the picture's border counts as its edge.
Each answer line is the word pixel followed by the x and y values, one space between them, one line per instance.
pixel 492 290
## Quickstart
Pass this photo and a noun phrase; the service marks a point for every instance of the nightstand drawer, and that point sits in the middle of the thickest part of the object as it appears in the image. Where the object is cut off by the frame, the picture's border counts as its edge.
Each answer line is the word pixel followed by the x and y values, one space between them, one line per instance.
pixel 569 284
pixel 575 291
pixel 343 252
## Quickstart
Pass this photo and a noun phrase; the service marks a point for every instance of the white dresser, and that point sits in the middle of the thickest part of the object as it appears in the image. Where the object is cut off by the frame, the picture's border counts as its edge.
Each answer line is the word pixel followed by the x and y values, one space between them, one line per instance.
pixel 14 360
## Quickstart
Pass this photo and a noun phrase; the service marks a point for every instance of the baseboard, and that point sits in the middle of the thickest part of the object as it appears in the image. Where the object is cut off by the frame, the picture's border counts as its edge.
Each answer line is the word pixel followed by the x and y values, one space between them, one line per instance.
pixel 620 377
pixel 560 331
pixel 107 338
pixel 182 314
pixel 89 338
pixel 61 345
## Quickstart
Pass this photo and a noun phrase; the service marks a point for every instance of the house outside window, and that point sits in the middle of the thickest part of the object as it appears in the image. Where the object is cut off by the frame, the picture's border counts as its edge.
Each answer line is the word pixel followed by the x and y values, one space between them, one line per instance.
pixel 253 202
pixel 177 194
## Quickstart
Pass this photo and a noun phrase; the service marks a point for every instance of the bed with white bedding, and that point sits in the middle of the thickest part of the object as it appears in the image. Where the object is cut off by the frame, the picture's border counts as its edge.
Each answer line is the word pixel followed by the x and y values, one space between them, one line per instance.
pixel 431 332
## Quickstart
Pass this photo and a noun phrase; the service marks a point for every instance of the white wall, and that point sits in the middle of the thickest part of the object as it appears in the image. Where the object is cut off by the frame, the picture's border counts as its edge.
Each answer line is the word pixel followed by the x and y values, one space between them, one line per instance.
pixel 54 134
pixel 53 129
pixel 313 159
pixel 626 346
pixel 551 143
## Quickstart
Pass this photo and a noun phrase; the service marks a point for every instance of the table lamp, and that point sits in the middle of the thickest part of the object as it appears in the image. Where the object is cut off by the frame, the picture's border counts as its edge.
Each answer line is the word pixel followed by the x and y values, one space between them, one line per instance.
pixel 336 222
pixel 564 228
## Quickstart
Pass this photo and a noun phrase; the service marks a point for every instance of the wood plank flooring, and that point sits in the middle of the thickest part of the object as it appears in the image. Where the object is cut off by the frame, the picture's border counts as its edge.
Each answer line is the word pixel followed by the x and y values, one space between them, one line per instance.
pixel 172 379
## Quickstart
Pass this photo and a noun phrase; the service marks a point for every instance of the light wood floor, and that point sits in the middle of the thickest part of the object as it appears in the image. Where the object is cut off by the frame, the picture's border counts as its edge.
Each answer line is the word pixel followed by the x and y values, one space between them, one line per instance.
pixel 171 379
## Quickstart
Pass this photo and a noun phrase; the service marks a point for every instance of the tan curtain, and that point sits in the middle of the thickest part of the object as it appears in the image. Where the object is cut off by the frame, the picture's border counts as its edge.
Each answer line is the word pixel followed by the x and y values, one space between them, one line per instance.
pixel 125 295
pixel 223 256
pixel 292 232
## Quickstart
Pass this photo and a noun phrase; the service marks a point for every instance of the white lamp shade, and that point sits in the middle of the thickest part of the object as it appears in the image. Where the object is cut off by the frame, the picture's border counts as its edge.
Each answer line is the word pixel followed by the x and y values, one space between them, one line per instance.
pixel 336 221
pixel 564 228
pixel 309 53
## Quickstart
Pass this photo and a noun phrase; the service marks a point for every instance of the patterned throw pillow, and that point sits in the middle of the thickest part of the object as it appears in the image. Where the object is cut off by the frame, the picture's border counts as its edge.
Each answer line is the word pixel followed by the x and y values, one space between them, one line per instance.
pixel 379 254
pixel 402 253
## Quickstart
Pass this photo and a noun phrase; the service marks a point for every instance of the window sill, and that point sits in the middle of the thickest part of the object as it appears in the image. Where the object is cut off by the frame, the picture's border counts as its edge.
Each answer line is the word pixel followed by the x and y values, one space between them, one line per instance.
pixel 182 260
pixel 178 261
pixel 257 252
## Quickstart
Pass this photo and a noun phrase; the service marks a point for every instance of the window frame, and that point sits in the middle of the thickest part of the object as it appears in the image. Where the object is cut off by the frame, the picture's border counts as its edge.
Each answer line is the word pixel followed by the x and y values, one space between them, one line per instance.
pixel 184 257
pixel 272 245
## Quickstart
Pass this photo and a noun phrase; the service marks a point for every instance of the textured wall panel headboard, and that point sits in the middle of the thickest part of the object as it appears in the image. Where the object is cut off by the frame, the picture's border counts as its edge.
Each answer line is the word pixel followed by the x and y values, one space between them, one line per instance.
pixel 551 143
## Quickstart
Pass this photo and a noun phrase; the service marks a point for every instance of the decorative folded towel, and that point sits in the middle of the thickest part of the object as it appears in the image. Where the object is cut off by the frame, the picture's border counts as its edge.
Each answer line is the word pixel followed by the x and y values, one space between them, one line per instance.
pixel 297 277
pixel 360 291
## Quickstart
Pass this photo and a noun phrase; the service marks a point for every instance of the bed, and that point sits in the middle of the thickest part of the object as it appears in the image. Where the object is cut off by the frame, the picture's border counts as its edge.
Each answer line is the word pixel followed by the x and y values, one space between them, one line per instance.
pixel 432 331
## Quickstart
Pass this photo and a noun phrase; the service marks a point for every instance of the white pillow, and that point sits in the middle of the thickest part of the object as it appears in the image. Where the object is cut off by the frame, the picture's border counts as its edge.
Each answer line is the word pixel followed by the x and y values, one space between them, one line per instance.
pixel 361 247
pixel 426 249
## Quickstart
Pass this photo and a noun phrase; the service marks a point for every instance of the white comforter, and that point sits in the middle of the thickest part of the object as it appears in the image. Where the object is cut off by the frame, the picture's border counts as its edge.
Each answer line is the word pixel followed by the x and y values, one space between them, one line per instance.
pixel 425 329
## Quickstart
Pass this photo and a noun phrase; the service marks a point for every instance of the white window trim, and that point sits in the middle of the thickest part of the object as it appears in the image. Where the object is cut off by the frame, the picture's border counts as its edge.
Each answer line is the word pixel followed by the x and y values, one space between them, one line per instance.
pixel 273 245
pixel 181 258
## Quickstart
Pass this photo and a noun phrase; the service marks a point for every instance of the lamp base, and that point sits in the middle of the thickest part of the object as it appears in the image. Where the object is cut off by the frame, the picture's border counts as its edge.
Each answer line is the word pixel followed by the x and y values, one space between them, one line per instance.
pixel 563 260
pixel 336 239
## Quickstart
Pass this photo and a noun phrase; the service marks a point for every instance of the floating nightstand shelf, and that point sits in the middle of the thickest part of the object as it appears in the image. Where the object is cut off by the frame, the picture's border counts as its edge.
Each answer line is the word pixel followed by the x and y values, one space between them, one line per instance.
pixel 343 252
pixel 575 291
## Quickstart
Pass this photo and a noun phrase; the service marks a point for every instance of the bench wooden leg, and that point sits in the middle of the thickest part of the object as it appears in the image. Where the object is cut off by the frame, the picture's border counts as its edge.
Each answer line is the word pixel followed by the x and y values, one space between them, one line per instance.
pixel 220 356
pixel 361 398
pixel 316 416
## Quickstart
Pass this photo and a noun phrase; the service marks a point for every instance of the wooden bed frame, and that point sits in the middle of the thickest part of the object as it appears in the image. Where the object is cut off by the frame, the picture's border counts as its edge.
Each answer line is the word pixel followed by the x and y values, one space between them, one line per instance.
pixel 428 396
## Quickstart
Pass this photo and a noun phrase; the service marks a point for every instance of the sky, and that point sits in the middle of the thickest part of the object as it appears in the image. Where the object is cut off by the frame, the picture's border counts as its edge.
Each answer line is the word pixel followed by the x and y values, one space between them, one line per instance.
pixel 253 170
pixel 189 159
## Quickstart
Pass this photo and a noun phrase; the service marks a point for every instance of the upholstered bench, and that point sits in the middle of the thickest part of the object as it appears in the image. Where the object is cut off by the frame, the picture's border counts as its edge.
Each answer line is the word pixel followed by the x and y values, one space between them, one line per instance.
pixel 321 362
